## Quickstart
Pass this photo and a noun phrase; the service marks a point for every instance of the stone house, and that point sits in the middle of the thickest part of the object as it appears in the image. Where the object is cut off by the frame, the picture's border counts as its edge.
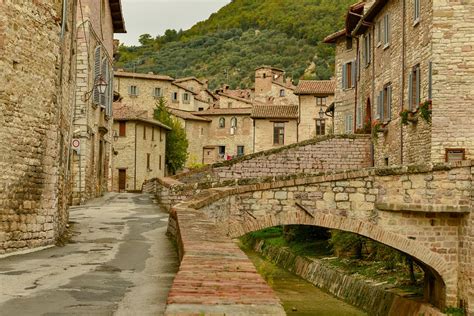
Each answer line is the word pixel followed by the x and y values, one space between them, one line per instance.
pixel 204 98
pixel 271 86
pixel 36 107
pixel 229 133
pixel 97 21
pixel 274 126
pixel 314 99
pixel 139 148
pixel 397 59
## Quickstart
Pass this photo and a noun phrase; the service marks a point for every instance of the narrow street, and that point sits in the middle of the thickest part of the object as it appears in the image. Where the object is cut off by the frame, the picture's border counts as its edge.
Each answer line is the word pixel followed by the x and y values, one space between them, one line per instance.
pixel 118 262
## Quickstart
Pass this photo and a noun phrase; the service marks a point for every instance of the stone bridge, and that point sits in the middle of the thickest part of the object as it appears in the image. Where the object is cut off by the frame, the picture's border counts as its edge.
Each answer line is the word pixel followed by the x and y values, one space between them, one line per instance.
pixel 423 211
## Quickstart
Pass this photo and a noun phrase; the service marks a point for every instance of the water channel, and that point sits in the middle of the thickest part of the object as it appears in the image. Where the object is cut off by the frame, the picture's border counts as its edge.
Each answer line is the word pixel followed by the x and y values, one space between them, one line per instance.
pixel 299 297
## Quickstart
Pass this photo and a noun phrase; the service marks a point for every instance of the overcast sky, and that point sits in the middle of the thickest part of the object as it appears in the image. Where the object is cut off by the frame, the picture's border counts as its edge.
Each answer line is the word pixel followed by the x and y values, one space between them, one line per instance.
pixel 156 16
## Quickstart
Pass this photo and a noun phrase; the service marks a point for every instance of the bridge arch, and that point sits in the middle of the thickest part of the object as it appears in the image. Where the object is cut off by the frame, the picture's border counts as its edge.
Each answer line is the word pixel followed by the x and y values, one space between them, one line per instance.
pixel 438 273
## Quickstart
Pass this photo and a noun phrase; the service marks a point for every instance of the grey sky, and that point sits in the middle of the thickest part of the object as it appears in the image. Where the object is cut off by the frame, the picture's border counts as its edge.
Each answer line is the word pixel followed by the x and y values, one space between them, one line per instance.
pixel 156 16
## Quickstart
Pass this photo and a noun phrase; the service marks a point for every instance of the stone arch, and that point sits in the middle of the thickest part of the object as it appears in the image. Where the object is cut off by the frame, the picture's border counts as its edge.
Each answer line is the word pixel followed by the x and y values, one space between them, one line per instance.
pixel 441 276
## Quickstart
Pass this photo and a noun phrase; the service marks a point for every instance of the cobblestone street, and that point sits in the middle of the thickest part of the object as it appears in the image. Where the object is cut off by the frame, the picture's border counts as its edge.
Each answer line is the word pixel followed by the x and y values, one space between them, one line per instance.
pixel 118 261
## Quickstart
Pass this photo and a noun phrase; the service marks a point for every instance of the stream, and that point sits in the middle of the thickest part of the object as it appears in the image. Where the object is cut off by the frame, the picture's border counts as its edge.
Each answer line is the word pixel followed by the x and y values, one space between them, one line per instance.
pixel 298 296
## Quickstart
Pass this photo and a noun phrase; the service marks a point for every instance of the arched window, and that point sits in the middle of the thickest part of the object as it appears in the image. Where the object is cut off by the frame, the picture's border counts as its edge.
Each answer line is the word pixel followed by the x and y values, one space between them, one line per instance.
pixel 233 122
pixel 221 122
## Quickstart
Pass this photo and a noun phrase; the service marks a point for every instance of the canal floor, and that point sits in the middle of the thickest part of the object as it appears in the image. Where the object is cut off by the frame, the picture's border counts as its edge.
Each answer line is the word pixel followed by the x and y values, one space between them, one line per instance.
pixel 299 297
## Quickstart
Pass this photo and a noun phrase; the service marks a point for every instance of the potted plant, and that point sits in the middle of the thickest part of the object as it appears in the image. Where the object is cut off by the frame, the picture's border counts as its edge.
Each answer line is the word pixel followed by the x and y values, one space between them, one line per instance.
pixel 407 116
pixel 425 110
pixel 378 127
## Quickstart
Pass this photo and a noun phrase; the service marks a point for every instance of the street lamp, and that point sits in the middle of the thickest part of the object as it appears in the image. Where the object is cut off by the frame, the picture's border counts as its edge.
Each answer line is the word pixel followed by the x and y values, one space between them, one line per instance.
pixel 101 84
pixel 116 136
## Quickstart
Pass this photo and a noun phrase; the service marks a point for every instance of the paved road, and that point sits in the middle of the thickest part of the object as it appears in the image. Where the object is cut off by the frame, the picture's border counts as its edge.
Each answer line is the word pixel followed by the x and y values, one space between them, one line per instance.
pixel 119 262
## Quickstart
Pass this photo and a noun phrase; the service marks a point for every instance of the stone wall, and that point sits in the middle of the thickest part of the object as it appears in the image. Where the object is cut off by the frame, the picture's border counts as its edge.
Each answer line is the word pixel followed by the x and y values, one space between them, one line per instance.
pixel 263 133
pixel 312 156
pixel 375 299
pixel 37 80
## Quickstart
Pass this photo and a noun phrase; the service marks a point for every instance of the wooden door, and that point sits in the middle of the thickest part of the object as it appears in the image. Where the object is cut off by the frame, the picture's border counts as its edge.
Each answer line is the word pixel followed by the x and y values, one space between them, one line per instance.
pixel 122 179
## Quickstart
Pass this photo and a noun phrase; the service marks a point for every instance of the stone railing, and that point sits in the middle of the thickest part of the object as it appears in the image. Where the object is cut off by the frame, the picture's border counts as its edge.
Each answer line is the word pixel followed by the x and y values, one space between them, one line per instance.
pixel 334 152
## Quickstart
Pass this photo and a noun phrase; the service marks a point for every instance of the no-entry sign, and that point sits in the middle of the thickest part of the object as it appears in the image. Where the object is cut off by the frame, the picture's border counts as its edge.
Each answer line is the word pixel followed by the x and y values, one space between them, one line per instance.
pixel 76 145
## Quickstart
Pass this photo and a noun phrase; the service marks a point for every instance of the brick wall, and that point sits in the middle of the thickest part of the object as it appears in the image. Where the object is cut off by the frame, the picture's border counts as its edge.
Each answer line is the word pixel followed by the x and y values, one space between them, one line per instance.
pixel 35 122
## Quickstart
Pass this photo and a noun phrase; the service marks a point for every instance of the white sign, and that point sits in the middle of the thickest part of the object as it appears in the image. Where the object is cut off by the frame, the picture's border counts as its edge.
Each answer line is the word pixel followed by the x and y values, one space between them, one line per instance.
pixel 76 145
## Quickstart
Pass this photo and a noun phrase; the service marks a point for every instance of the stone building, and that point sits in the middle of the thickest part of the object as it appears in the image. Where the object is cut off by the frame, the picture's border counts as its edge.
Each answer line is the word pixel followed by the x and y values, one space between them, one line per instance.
pixel 274 126
pixel 314 99
pixel 271 86
pixel 139 148
pixel 97 21
pixel 37 79
pixel 400 63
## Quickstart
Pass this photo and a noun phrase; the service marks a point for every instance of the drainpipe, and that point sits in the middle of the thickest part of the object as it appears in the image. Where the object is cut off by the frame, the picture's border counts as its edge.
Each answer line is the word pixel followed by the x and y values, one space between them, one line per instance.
pixel 135 168
pixel 254 135
pixel 402 89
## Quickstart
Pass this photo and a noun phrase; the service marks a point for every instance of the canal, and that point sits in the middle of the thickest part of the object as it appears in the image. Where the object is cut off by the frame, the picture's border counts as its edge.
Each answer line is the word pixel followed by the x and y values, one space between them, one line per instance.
pixel 298 296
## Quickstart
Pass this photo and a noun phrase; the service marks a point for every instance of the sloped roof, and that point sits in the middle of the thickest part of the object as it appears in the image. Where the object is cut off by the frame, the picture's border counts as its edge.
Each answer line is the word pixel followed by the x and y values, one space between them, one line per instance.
pixel 189 79
pixel 225 111
pixel 126 74
pixel 117 16
pixel 369 16
pixel 316 87
pixel 334 36
pixel 187 115
pixel 184 88
pixel 127 113
pixel 287 85
pixel 224 94
pixel 275 111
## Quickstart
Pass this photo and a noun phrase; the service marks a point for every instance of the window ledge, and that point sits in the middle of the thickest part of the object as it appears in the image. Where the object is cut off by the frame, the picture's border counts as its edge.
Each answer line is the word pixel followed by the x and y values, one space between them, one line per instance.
pixel 416 22
pixel 386 46
pixel 133 95
pixel 379 44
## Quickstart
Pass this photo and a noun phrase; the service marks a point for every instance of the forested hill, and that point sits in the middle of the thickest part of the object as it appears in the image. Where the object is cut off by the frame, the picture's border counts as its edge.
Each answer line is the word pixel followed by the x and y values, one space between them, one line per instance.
pixel 245 34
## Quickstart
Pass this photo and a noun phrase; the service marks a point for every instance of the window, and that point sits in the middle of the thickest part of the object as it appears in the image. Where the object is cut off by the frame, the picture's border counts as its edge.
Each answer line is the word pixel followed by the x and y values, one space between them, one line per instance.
pixel 229 105
pixel 185 97
pixel 133 90
pixel 144 132
pixel 349 122
pixel 221 151
pixel 348 75
pixel 122 129
pixel 282 92
pixel 378 28
pixel 240 151
pixel 161 162
pixel 348 42
pixel 367 49
pixel 414 93
pixel 455 154
pixel 386 30
pixel 416 11
pixel 148 156
pixel 161 135
pixel 152 134
pixel 233 122
pixel 157 92
pixel 278 133
pixel 221 122
pixel 320 127
pixel 321 101
pixel 384 104
pixel 174 96
pixel 200 109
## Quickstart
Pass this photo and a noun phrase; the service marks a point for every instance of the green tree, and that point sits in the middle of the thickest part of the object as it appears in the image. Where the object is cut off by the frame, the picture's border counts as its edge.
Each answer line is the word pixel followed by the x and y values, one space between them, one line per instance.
pixel 176 141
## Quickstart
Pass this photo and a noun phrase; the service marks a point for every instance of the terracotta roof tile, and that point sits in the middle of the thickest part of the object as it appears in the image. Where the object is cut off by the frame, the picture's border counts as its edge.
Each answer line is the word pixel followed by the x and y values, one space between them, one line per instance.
pixel 316 87
pixel 228 111
pixel 142 76
pixel 123 112
pixel 275 111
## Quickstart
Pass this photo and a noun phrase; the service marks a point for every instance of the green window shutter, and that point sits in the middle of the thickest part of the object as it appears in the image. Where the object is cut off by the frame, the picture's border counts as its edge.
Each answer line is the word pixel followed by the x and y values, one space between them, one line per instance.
pixel 353 73
pixel 410 92
pixel 95 92
pixel 389 100
pixel 344 74
pixel 382 103
pixel 418 94
pixel 430 80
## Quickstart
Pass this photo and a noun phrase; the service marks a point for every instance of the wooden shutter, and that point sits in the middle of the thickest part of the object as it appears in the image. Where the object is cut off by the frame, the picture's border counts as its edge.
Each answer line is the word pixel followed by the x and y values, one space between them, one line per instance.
pixel 344 74
pixel 382 101
pixel 430 80
pixel 353 73
pixel 418 94
pixel 410 92
pixel 96 94
pixel 110 99
pixel 104 72
pixel 389 102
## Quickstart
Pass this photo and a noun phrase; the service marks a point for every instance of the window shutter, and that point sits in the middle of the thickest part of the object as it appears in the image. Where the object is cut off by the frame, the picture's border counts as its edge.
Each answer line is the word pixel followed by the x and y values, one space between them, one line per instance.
pixel 382 101
pixel 377 114
pixel 138 90
pixel 344 73
pixel 129 90
pixel 96 94
pixel 353 73
pixel 104 73
pixel 111 95
pixel 430 80
pixel 410 92
pixel 389 100
pixel 418 96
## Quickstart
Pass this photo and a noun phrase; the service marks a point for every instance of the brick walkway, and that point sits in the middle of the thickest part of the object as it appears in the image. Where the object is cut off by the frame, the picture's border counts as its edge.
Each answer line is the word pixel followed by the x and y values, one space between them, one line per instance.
pixel 215 276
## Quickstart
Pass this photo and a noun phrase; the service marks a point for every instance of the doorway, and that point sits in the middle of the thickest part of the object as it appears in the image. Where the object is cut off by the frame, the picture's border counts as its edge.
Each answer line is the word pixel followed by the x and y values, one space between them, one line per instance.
pixel 122 180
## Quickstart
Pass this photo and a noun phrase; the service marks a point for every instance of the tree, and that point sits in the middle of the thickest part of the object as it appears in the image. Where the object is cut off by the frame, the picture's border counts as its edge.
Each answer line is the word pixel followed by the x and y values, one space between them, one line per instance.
pixel 145 39
pixel 176 141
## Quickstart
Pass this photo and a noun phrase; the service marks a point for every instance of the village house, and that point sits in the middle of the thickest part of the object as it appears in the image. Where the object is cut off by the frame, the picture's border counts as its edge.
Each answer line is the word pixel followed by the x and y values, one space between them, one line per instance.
pixel 97 21
pixel 398 68
pixel 314 100
pixel 139 148
pixel 272 87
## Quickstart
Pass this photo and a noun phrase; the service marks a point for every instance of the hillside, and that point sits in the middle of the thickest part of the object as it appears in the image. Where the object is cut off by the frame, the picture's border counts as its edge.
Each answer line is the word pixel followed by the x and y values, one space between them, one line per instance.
pixel 241 36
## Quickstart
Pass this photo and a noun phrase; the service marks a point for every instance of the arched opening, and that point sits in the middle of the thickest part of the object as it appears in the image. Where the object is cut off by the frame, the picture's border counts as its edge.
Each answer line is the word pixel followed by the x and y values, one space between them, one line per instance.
pixel 356 255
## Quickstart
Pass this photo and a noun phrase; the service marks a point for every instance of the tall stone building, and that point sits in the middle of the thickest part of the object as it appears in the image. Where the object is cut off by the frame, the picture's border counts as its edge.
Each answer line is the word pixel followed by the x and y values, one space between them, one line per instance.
pixel 37 77
pixel 97 21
